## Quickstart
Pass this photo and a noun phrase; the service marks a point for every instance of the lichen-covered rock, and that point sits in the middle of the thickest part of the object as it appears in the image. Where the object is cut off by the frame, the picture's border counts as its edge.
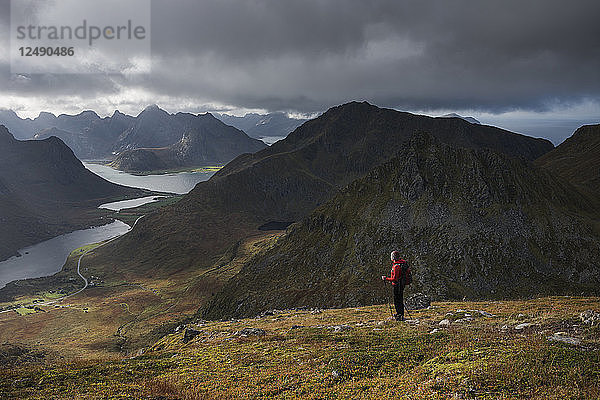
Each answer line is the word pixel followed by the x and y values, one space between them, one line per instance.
pixel 251 332
pixel 590 317
pixel 417 301
pixel 560 337
pixel 522 326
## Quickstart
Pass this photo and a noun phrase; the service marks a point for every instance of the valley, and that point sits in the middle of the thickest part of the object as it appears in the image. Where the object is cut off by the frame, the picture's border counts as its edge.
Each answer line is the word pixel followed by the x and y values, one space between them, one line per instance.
pixel 322 199
pixel 305 226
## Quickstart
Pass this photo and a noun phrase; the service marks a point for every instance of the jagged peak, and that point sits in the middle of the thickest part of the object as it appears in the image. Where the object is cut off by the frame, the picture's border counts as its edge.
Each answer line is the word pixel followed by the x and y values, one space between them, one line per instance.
pixel 153 107
pixel 353 105
pixel 45 114
pixel 153 110
pixel 8 111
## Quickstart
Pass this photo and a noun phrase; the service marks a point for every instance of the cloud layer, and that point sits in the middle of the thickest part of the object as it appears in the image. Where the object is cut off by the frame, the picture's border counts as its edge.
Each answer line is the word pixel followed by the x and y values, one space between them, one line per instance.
pixel 307 55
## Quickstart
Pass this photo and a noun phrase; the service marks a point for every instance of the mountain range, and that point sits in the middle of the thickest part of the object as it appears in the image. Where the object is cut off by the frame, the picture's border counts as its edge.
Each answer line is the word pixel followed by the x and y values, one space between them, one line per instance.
pixel 93 137
pixel 160 141
pixel 46 191
pixel 262 126
pixel 168 140
pixel 479 211
pixel 286 182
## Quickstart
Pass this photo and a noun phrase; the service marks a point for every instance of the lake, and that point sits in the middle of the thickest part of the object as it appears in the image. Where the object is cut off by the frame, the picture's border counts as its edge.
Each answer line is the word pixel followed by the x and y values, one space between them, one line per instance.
pixel 269 140
pixel 47 258
pixel 178 183
pixel 122 205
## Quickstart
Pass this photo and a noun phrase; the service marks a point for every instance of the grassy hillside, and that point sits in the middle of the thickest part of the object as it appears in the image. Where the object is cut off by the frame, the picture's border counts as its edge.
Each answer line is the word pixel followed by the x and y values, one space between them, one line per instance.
pixel 535 349
pixel 120 312
pixel 472 223
pixel 577 159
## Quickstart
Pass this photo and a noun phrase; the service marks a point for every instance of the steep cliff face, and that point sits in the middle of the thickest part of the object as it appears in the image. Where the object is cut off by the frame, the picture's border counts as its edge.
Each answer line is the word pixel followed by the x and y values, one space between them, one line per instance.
pixel 203 140
pixel 577 159
pixel 472 223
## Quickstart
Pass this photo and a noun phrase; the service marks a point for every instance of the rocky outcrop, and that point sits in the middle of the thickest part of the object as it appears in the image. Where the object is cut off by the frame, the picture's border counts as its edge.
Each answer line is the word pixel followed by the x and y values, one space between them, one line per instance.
pixel 590 317
pixel 189 334
pixel 417 301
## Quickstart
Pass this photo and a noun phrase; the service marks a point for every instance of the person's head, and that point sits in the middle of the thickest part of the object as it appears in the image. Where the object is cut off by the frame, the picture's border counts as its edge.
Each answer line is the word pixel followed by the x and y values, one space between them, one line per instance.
pixel 395 256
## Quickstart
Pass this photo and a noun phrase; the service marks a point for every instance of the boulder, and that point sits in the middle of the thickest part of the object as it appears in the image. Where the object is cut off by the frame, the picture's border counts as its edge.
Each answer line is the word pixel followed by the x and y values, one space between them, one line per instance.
pixel 189 334
pixel 340 328
pixel 590 317
pixel 523 326
pixel 417 301
pixel 251 332
pixel 560 337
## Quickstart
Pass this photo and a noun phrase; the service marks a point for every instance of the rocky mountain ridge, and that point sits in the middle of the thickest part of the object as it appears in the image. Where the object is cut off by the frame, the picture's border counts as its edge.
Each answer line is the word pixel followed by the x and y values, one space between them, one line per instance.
pixel 472 223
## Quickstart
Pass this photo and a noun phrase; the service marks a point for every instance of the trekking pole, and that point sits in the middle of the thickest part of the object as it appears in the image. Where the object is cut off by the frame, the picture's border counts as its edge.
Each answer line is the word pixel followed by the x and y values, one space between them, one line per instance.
pixel 391 310
pixel 410 316
pixel 389 304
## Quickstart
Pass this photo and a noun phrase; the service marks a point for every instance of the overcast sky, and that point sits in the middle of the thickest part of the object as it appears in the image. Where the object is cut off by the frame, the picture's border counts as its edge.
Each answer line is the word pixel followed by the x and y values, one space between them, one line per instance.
pixel 530 66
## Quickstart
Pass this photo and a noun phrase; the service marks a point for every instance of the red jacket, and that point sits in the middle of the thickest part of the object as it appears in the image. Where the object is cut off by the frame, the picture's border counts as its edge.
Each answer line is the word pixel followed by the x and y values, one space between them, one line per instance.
pixel 397 272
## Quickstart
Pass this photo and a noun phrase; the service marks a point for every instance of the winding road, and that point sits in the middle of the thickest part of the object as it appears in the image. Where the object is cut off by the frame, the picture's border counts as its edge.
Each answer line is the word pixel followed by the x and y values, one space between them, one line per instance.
pixel 86 283
pixel 85 280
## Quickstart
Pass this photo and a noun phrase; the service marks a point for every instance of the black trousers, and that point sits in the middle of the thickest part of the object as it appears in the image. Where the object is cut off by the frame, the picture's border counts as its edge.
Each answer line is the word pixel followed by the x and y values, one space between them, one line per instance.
pixel 399 298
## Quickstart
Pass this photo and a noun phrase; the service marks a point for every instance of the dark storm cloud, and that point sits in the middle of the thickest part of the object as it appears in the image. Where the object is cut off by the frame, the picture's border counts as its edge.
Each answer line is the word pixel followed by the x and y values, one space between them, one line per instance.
pixel 306 55
pixel 461 54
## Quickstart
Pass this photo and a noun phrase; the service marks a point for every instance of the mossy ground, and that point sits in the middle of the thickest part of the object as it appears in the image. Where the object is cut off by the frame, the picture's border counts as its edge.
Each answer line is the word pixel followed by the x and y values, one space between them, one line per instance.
pixel 304 355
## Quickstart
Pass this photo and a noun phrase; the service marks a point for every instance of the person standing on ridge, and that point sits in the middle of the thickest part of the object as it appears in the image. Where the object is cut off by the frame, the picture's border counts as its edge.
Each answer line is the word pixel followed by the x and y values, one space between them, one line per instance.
pixel 400 277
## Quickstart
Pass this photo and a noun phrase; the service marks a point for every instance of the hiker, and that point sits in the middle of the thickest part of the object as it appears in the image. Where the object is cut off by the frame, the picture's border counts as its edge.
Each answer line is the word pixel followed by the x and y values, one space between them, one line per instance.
pixel 400 277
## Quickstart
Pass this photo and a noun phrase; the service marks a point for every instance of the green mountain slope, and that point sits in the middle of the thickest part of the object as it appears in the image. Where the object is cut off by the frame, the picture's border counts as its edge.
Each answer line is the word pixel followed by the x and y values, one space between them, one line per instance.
pixel 473 223
pixel 577 159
